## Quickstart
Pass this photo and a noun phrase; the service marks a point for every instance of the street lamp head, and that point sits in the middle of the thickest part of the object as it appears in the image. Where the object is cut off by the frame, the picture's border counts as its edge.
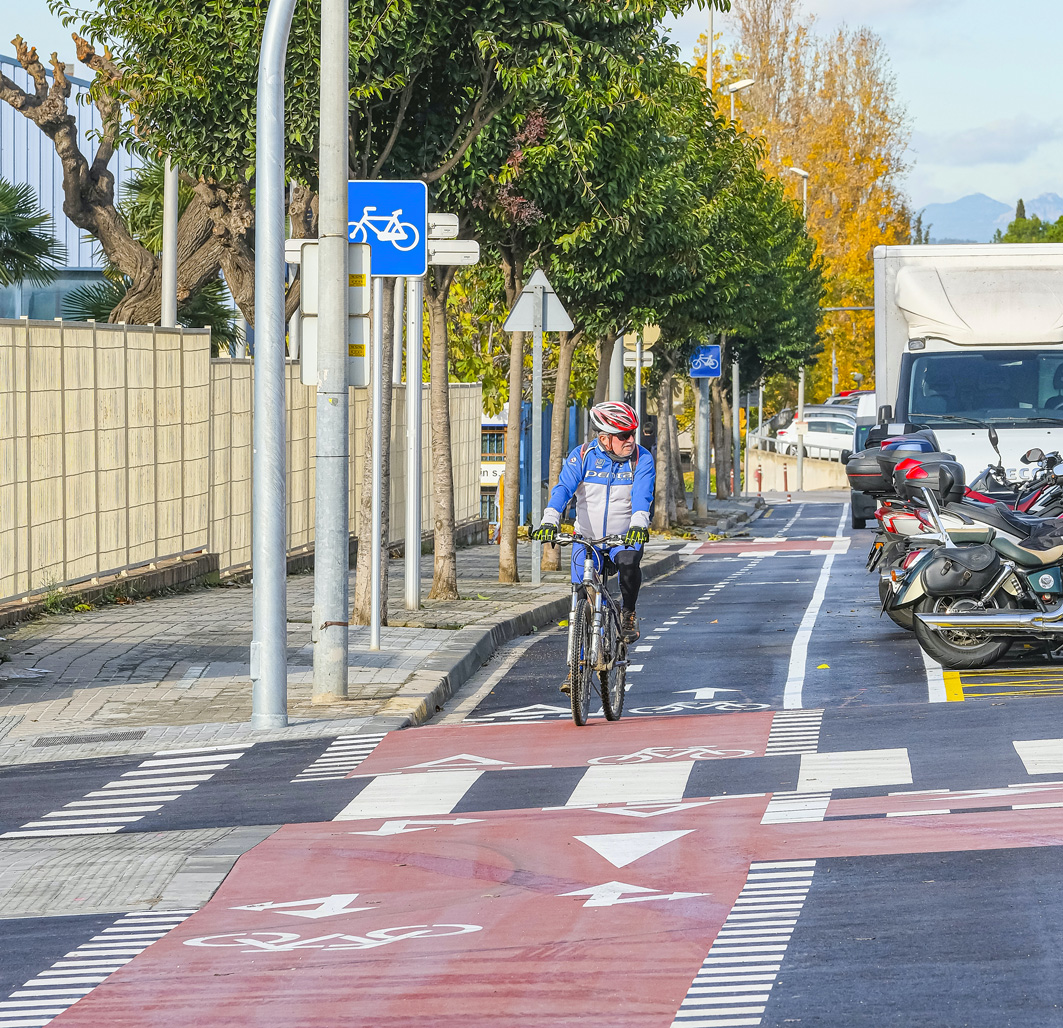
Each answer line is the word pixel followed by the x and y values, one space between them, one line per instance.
pixel 734 87
pixel 798 171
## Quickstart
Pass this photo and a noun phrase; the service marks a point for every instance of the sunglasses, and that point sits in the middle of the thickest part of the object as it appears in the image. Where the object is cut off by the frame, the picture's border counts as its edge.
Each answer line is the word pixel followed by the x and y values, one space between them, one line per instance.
pixel 623 436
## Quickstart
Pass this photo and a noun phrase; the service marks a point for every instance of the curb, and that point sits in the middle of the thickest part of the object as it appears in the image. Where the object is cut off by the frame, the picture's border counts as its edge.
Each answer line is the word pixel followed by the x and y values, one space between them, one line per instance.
pixel 451 666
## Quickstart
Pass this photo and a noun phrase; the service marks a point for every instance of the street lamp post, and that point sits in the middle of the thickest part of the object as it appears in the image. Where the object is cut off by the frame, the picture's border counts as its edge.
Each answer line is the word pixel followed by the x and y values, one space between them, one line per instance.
pixel 734 87
pixel 801 382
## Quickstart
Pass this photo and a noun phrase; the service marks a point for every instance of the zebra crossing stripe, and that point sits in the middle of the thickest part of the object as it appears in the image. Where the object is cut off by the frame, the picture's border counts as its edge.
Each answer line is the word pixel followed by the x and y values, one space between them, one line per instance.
pixel 77 973
pixel 734 983
pixel 132 796
pixel 795 808
pixel 794 731
pixel 341 758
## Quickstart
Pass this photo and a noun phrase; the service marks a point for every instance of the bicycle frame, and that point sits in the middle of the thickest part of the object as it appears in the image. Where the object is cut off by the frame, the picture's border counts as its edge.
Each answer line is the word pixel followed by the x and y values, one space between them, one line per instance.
pixel 594 582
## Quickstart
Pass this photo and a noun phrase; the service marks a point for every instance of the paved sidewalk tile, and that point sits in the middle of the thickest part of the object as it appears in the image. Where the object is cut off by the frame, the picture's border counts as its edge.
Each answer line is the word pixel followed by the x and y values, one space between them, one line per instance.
pixel 174 670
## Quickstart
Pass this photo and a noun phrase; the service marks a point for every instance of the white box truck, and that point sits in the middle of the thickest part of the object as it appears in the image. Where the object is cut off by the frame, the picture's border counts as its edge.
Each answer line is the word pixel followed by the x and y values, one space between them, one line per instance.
pixel 966 334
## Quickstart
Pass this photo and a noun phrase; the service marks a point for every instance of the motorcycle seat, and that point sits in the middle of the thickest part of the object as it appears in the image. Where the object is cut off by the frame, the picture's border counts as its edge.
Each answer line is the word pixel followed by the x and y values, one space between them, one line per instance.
pixel 999 515
pixel 1027 558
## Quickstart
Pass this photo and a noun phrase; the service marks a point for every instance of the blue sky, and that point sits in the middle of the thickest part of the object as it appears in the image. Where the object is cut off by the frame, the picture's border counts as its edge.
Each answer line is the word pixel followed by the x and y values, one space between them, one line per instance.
pixel 977 78
pixel 979 83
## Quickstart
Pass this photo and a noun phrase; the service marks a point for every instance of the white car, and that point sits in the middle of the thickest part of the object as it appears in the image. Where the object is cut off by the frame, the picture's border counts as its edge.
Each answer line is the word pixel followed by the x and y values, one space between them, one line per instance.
pixel 826 435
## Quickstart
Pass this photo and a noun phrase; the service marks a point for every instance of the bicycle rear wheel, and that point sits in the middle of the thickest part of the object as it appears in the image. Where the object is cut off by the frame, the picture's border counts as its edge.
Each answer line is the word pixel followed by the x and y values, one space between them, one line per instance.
pixel 613 681
pixel 580 670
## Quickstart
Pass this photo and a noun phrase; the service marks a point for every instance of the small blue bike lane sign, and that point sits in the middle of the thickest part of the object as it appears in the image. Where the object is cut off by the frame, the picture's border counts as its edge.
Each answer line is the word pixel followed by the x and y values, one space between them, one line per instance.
pixel 705 362
pixel 392 217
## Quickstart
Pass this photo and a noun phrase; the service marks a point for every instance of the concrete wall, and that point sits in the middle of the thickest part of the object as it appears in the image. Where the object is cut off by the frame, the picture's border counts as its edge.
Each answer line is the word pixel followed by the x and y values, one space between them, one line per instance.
pixel 779 473
pixel 123 446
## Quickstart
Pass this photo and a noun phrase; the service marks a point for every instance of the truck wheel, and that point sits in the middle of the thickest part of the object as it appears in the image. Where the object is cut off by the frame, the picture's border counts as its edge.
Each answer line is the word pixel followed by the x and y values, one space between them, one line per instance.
pixel 962 650
pixel 856 522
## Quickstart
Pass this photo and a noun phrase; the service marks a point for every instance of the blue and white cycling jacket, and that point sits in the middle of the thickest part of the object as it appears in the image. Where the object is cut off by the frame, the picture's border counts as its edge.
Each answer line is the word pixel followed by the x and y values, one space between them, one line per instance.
pixel 611 496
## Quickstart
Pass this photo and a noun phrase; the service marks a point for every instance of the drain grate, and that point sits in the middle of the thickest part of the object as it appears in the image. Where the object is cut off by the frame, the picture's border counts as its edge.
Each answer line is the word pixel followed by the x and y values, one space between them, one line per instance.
pixel 75 740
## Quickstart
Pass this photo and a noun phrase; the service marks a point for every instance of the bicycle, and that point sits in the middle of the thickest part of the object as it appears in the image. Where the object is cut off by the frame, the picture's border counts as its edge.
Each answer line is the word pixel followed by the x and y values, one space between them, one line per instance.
pixel 401 234
pixel 595 640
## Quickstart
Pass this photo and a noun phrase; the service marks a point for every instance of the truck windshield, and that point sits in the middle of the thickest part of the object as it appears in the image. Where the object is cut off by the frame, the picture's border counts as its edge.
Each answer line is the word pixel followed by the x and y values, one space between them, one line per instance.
pixel 1001 388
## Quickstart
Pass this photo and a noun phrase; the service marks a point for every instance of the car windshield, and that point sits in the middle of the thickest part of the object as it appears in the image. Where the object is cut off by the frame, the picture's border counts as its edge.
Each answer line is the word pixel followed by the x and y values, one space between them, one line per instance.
pixel 1001 387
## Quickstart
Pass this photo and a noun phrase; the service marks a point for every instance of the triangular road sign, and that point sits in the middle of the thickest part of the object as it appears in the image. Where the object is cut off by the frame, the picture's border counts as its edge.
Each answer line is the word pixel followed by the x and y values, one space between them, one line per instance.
pixel 627 847
pixel 555 317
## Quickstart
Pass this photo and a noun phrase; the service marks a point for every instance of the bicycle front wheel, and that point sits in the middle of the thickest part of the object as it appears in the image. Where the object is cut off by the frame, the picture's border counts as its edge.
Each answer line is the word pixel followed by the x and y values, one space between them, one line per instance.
pixel 580 669
pixel 613 681
pixel 410 238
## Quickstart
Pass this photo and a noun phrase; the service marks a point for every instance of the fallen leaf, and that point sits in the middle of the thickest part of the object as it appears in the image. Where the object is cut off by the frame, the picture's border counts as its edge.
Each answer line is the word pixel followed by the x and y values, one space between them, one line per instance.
pixel 563 624
pixel 716 622
pixel 819 667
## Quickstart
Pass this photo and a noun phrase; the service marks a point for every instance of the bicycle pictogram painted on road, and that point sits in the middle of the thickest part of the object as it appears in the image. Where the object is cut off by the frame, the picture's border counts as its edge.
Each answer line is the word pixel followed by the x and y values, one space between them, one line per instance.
pixel 649 753
pixel 285 942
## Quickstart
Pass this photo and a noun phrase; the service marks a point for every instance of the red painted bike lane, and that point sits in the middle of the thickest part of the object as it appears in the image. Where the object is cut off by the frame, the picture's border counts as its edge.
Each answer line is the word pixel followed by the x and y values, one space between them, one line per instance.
pixel 547 917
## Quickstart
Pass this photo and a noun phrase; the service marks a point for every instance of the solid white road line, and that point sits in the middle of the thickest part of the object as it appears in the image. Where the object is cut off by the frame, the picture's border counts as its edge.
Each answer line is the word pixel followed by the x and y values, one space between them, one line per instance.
pixel 795 675
pixel 935 678
pixel 410 795
pixel 631 783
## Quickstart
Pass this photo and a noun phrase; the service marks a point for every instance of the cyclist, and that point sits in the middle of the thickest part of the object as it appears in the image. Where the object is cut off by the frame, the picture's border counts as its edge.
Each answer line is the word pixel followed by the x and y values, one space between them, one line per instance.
pixel 612 479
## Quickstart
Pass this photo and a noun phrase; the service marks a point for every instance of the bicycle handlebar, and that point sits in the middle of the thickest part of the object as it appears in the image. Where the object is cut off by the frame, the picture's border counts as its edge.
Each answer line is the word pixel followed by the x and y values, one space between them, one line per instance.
pixel 569 540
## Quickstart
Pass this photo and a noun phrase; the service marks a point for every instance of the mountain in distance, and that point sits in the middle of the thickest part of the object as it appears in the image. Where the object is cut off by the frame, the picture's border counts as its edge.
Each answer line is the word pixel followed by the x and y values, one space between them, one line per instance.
pixel 974 218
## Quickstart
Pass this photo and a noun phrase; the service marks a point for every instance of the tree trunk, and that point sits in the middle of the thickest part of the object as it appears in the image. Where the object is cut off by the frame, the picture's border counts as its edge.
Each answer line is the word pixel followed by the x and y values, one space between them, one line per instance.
pixel 513 271
pixel 363 579
pixel 559 428
pixel 507 550
pixel 678 485
pixel 445 565
pixel 662 488
pixel 601 387
pixel 721 440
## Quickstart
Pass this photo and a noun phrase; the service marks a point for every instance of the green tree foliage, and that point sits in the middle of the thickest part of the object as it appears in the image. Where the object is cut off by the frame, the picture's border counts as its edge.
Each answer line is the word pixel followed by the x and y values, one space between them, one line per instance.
pixel 1030 230
pixel 28 251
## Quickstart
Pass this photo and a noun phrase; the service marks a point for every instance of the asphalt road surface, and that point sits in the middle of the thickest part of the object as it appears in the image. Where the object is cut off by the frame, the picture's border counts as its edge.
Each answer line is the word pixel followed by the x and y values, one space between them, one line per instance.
pixel 798 821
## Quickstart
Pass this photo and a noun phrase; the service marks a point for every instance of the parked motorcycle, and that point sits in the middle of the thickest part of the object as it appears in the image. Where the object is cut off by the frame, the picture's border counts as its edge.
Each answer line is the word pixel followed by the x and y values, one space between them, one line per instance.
pixel 971 602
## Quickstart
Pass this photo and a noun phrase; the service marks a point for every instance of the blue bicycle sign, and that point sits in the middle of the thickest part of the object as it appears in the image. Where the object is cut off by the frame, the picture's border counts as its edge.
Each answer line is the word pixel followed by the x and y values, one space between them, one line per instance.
pixel 392 217
pixel 705 362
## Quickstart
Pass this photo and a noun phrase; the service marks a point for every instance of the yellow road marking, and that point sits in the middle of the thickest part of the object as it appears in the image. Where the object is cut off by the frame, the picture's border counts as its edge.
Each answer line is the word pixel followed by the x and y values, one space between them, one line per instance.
pixel 965 685
pixel 953 687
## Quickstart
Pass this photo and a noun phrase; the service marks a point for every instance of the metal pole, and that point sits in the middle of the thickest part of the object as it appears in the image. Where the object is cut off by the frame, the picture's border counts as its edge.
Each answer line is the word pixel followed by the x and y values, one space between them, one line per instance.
pixel 269 663
pixel 169 246
pixel 616 371
pixel 760 406
pixel 414 333
pixel 638 387
pixel 378 467
pixel 733 91
pixel 332 499
pixel 736 429
pixel 701 505
pixel 708 55
pixel 804 197
pixel 539 296
pixel 396 363
pixel 833 369
pixel 800 435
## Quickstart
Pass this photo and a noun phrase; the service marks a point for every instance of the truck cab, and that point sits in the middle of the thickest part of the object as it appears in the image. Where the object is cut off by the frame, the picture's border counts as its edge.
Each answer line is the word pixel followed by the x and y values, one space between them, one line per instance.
pixel 968 336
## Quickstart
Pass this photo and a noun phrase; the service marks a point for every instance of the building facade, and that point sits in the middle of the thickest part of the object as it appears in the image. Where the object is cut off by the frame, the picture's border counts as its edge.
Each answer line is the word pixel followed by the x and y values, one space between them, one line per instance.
pixel 27 155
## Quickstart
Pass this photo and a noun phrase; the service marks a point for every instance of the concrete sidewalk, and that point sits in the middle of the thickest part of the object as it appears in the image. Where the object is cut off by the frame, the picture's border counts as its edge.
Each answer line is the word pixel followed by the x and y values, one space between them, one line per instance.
pixel 173 671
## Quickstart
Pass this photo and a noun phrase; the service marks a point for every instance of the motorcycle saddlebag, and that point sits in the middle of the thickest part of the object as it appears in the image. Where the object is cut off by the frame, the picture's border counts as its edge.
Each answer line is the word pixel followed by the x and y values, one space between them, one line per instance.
pixel 961 571
pixel 865 474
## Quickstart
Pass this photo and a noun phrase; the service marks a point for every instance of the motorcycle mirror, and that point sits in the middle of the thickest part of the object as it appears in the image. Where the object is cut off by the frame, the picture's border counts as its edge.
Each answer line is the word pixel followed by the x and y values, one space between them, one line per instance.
pixel 993 438
pixel 885 414
pixel 1032 456
pixel 846 454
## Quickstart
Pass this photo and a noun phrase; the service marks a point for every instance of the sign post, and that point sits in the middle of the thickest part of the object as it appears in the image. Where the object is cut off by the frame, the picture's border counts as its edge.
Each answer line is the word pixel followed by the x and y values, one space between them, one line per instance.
pixel 704 366
pixel 392 218
pixel 537 310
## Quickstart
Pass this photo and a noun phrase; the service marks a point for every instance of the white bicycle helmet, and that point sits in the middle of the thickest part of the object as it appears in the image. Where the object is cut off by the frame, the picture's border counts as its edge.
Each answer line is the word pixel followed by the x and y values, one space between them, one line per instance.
pixel 613 417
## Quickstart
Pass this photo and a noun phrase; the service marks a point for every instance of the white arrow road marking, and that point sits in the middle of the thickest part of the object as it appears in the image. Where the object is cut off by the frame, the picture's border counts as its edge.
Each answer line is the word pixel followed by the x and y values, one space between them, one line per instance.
pixel 625 848
pixel 704 694
pixel 650 809
pixel 404 827
pixel 326 906
pixel 609 894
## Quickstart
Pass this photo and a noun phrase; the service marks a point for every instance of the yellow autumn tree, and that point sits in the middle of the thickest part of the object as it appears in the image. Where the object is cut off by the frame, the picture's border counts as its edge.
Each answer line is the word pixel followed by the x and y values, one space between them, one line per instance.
pixel 826 104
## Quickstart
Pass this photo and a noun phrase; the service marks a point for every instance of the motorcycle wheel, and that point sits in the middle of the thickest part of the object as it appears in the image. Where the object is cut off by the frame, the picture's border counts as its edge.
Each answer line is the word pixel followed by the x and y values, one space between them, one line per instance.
pixel 961 650
pixel 903 618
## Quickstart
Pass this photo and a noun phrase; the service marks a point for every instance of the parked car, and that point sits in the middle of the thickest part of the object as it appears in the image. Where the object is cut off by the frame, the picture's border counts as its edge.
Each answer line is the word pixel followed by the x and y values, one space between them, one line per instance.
pixel 826 435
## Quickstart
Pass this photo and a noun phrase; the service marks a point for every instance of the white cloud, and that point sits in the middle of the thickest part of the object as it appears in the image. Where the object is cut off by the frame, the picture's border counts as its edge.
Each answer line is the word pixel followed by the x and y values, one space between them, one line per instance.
pixel 1007 141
